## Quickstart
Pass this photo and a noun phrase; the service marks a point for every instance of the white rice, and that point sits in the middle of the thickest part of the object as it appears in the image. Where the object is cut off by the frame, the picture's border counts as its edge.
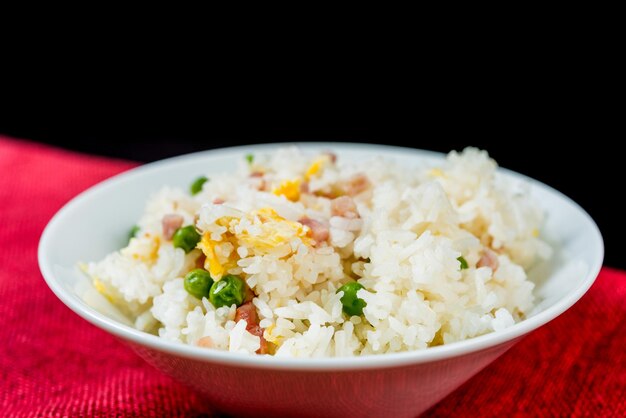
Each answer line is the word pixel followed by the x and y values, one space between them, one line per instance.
pixel 404 246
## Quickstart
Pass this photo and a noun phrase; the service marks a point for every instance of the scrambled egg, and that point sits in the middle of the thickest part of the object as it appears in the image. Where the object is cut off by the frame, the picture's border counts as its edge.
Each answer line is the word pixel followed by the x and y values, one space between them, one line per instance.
pixel 275 231
pixel 144 248
pixel 272 231
pixel 436 172
pixel 102 289
pixel 316 166
pixel 99 286
pixel 217 263
pixel 97 283
pixel 289 188
pixel 267 334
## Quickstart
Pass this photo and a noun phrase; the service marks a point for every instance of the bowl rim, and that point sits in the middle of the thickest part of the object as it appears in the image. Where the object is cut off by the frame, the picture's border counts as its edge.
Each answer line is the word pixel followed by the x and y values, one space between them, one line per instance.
pixel 371 361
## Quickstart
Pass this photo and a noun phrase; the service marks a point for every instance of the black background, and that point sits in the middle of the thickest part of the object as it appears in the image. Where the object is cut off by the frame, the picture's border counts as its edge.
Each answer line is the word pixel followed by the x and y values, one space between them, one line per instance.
pixel 568 150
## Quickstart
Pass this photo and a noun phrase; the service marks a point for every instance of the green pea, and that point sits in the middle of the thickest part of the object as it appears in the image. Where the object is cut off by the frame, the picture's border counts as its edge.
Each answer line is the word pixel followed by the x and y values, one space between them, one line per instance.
pixel 463 262
pixel 352 305
pixel 133 232
pixel 186 238
pixel 198 282
pixel 250 158
pixel 228 291
pixel 196 186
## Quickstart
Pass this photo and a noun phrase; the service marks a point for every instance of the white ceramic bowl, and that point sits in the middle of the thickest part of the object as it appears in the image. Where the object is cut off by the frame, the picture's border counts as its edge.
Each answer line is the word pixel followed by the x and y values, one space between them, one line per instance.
pixel 398 385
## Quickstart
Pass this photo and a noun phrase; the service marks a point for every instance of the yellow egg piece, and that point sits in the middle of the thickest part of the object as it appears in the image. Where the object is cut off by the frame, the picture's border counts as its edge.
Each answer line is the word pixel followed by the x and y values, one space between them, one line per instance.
pixel 436 172
pixel 99 286
pixel 316 166
pixel 289 188
pixel 267 334
pixel 274 231
pixel 213 264
pixel 270 231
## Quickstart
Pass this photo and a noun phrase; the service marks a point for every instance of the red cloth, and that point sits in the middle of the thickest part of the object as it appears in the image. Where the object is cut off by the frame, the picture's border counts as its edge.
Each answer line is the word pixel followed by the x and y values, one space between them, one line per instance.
pixel 53 363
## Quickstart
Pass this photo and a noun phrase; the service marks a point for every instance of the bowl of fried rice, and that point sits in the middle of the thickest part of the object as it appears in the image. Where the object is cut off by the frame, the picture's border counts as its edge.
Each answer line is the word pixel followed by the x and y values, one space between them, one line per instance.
pixel 321 279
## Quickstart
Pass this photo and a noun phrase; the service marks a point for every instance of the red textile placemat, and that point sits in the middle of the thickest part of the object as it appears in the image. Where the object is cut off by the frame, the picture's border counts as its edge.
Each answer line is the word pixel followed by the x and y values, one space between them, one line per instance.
pixel 53 363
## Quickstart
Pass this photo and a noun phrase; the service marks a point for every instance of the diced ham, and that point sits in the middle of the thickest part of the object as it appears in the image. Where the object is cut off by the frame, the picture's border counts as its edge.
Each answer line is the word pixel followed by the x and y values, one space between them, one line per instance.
pixel 248 313
pixel 488 259
pixel 218 201
pixel 259 182
pixel 170 224
pixel 319 231
pixel 304 187
pixel 354 185
pixel 328 194
pixel 344 206
pixel 258 331
pixel 248 295
pixel 332 156
pixel 205 342
pixel 200 261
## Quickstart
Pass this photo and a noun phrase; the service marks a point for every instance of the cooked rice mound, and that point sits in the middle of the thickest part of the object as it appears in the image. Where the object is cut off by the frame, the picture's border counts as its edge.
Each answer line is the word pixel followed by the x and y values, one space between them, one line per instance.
pixel 441 252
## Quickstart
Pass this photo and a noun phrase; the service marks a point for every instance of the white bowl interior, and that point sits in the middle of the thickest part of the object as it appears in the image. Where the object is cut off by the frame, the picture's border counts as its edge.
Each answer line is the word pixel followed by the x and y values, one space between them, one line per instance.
pixel 97 222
